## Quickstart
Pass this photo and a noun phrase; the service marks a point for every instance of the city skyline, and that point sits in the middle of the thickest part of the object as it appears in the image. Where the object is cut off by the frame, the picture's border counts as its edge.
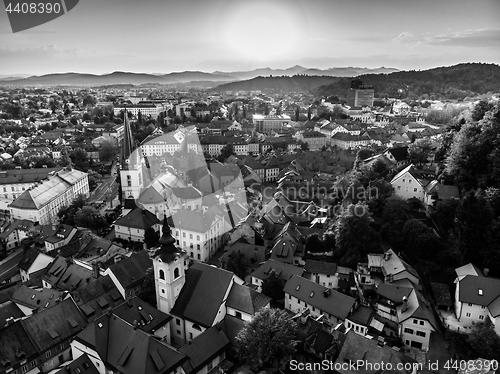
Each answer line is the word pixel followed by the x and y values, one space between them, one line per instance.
pixel 220 35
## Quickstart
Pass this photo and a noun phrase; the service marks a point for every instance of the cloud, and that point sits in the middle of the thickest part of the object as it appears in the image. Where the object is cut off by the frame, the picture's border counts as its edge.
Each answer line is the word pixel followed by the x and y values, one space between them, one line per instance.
pixel 479 38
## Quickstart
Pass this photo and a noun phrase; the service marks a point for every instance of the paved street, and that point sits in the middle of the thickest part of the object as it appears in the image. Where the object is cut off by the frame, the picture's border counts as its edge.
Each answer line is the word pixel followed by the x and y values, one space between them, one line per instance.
pixel 101 192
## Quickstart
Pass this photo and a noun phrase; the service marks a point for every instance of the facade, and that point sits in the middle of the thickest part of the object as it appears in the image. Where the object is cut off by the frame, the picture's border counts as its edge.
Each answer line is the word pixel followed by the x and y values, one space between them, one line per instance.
pixel 315 140
pixel 267 124
pixel 146 109
pixel 345 140
pixel 42 202
pixel 360 95
pixel 477 297
pixel 134 224
pixel 159 145
pixel 131 172
pixel 409 183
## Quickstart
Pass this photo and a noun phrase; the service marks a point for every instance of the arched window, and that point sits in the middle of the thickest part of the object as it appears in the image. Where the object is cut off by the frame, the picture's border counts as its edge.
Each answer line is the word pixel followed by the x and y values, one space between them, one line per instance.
pixel 176 273
pixel 162 274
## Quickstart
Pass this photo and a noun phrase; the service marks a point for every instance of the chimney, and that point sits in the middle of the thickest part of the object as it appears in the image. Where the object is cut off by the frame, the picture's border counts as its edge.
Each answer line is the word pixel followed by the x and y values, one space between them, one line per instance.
pixel 69 261
pixel 327 292
pixel 135 324
pixel 486 271
pixel 95 270
pixel 405 304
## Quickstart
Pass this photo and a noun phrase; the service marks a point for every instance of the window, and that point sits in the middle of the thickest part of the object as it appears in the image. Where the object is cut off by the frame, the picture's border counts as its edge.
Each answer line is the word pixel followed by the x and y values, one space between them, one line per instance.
pixel 467 314
pixel 408 331
pixel 198 247
pixel 483 307
pixel 399 188
pixel 210 366
pixel 470 304
pixel 178 332
pixel 415 190
pixel 183 234
pixel 422 323
pixel 25 368
pixel 176 273
pixel 421 333
pixel 480 292
pixel 48 354
pixel 481 317
pixel 162 274
pixel 197 237
pixel 33 364
pixel 404 180
pixel 415 322
pixel 162 290
pixel 190 236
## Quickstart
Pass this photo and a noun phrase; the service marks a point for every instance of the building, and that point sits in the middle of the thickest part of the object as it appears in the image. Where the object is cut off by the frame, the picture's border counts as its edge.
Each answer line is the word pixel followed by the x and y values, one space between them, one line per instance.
pixel 41 203
pixel 347 141
pixel 201 302
pixel 321 272
pixel 283 271
pixel 301 293
pixel 145 108
pixel 314 139
pixel 359 94
pixel 477 297
pixel 129 273
pixel 409 183
pixel 267 124
pixel 32 264
pixel 15 231
pixel 158 145
pixel 133 226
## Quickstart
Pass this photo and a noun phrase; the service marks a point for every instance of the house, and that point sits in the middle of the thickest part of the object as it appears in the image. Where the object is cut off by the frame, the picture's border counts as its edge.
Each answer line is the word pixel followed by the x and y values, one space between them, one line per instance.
pixel 206 352
pixel 477 296
pixel 435 192
pixel 57 236
pixel 288 246
pixel 283 270
pixel 398 156
pixel 96 297
pixel 390 296
pixel 360 320
pixel 409 183
pixel 128 274
pixel 68 274
pixel 417 321
pixel 36 299
pixel 201 303
pixel 42 339
pixel 14 232
pixel 145 317
pixel 314 139
pixel 114 345
pixel 324 273
pixel 395 269
pixel 243 302
pixel 301 293
pixel 348 141
pixel 133 225
pixel 32 263
pixel 82 365
pixel 252 255
pixel 363 355
pixel 9 272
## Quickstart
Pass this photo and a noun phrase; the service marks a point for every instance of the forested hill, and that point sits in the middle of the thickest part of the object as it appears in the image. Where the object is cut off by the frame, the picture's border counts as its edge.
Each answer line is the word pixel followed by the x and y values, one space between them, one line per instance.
pixel 296 83
pixel 453 82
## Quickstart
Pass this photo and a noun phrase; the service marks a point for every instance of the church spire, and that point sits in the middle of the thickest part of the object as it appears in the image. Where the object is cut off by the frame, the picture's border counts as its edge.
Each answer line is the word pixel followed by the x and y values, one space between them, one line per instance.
pixel 168 250
pixel 128 141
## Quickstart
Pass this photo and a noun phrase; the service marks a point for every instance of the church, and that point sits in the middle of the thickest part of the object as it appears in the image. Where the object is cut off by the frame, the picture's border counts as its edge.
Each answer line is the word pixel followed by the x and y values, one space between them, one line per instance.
pixel 199 297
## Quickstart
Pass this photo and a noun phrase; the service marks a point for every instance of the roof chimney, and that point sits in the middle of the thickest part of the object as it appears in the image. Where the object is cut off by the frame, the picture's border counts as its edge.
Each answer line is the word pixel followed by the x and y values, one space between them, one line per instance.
pixel 486 271
pixel 405 304
pixel 135 324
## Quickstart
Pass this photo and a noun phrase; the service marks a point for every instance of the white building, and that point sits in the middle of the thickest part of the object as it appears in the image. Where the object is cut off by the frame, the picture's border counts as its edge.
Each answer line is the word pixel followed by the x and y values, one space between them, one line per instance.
pixel 409 183
pixel 42 202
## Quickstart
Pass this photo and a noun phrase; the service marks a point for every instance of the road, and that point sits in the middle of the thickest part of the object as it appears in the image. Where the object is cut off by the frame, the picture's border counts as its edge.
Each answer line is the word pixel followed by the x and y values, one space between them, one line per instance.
pixel 108 185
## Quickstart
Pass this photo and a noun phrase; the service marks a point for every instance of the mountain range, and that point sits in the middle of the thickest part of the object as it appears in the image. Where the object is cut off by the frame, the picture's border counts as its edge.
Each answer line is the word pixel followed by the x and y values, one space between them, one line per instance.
pixel 119 77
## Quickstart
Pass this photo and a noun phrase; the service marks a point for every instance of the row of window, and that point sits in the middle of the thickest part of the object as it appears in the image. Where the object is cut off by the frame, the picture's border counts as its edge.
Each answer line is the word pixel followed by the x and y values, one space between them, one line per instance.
pixel 416 332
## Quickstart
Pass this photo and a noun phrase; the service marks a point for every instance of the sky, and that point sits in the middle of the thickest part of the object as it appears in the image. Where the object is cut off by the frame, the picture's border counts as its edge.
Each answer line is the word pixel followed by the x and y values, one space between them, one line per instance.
pixel 163 36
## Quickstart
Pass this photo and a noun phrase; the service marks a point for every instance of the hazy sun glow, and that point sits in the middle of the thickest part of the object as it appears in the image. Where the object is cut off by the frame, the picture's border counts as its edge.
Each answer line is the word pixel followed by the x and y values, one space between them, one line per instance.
pixel 262 31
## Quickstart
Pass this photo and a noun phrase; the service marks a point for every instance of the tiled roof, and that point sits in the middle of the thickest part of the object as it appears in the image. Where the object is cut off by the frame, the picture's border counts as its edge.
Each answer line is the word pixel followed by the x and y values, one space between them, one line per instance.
pixel 63 274
pixel 97 297
pixel 138 219
pixel 128 350
pixel 132 270
pixel 362 316
pixel 393 292
pixel 52 326
pixel 37 298
pixel 9 310
pixel 203 293
pixel 82 365
pixel 246 300
pixel 204 348
pixel 148 318
pixel 357 348
pixel 336 303
pixel 15 344
pixel 320 267
pixel 283 270
pixel 418 307
pixel 478 290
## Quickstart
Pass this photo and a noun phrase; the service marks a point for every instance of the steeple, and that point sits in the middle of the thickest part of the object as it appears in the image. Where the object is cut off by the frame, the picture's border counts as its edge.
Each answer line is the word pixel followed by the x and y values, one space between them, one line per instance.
pixel 128 142
pixel 168 250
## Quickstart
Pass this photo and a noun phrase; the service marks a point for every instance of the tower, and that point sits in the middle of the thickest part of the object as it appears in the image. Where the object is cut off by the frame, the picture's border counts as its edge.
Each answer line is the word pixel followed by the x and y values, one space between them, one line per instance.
pixel 131 173
pixel 169 270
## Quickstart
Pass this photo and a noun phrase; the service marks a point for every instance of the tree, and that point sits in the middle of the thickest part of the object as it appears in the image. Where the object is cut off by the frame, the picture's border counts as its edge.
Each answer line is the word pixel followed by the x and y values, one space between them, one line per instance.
pixel 362 155
pixel 108 151
pixel 89 217
pixel 66 214
pixel 148 289
pixel 484 341
pixel 151 237
pixel 86 117
pixel 269 339
pixel 421 241
pixel 304 146
pixel 273 286
pixel 236 264
pixel 297 114
pixel 80 158
pixel 419 151
pixel 226 151
pixel 354 235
